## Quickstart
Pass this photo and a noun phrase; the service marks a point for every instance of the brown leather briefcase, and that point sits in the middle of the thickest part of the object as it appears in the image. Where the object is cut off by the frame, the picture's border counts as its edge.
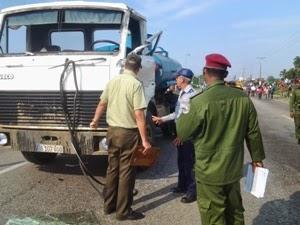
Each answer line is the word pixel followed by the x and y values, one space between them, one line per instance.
pixel 148 160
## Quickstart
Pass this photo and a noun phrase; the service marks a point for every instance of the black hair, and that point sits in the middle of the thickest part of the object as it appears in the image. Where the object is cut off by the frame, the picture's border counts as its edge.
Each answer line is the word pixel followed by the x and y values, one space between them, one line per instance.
pixel 221 74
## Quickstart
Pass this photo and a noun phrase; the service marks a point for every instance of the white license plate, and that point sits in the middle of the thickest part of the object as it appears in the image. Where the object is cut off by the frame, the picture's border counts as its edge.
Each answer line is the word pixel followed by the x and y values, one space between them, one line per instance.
pixel 49 148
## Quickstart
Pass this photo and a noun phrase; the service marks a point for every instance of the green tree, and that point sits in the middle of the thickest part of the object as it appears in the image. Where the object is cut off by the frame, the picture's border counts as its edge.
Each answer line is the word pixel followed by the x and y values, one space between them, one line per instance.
pixel 297 66
pixel 291 74
pixel 201 79
pixel 270 79
pixel 283 73
pixel 195 81
pixel 297 62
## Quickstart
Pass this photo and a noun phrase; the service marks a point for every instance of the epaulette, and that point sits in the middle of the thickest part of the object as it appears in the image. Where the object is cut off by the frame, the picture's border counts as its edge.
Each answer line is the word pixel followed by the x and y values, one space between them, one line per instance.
pixel 196 94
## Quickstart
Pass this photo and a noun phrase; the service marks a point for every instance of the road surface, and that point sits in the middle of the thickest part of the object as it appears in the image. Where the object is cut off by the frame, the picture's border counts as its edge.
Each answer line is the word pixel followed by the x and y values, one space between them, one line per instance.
pixel 59 194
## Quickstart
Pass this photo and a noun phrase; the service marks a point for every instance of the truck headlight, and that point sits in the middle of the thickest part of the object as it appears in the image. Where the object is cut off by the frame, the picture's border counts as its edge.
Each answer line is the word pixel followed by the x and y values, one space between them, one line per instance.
pixel 3 139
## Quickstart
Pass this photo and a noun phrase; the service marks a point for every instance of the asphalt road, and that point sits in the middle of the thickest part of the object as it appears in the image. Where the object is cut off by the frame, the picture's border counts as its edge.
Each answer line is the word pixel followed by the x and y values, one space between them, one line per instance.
pixel 59 194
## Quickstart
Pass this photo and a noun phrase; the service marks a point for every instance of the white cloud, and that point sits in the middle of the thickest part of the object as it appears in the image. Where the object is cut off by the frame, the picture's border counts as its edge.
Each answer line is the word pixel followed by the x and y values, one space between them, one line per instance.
pixel 154 8
pixel 270 24
pixel 193 9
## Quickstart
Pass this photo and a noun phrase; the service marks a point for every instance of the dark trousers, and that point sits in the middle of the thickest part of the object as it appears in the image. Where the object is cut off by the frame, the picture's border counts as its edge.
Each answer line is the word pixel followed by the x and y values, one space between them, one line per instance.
pixel 120 176
pixel 220 205
pixel 297 124
pixel 186 174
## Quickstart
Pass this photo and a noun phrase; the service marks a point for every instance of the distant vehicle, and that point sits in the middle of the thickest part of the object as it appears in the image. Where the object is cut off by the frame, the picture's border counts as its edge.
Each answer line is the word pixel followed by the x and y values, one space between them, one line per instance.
pixel 55 60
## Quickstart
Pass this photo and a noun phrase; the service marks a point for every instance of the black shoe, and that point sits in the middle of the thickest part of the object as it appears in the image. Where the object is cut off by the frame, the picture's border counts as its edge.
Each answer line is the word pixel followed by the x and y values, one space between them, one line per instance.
pixel 135 192
pixel 177 190
pixel 188 199
pixel 132 215
pixel 109 211
pixel 298 141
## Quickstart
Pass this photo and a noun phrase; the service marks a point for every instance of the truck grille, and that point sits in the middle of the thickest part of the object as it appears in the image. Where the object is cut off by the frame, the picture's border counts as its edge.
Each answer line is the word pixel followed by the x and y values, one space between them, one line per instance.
pixel 45 108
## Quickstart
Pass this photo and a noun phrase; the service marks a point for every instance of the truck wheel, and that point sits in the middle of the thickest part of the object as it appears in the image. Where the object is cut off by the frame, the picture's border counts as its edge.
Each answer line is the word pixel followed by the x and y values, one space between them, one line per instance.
pixel 39 157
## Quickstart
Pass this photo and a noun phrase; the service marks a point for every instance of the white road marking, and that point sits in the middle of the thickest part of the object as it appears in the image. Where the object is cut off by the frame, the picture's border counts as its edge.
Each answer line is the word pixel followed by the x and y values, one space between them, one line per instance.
pixel 287 117
pixel 13 167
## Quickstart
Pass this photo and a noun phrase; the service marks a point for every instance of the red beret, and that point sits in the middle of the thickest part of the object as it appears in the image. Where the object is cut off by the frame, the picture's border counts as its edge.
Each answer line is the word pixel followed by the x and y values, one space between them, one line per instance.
pixel 217 61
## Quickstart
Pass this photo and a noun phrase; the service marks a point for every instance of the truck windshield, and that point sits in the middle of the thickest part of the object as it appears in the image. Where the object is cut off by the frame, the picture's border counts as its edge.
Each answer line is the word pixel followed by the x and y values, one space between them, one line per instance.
pixel 62 30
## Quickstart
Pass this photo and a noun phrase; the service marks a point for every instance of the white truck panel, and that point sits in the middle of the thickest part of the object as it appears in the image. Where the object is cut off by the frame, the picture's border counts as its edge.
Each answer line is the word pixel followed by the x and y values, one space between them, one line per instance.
pixel 43 73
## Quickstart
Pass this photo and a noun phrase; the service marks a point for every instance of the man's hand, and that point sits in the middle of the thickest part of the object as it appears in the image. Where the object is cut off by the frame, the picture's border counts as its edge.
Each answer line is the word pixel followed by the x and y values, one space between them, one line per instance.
pixel 99 111
pixel 257 164
pixel 177 142
pixel 93 124
pixel 157 120
pixel 146 146
pixel 292 114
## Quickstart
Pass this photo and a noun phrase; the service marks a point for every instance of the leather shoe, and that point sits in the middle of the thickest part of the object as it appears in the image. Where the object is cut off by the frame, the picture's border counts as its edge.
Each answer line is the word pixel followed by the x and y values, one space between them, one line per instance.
pixel 109 211
pixel 188 199
pixel 177 190
pixel 132 215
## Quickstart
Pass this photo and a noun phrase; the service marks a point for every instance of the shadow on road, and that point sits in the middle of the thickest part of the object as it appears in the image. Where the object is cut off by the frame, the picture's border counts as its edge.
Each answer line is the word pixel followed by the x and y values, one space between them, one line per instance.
pixel 166 194
pixel 280 212
pixel 68 164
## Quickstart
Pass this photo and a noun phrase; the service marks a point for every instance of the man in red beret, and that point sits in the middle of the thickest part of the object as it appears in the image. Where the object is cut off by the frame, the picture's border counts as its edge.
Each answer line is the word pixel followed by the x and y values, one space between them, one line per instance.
pixel 218 122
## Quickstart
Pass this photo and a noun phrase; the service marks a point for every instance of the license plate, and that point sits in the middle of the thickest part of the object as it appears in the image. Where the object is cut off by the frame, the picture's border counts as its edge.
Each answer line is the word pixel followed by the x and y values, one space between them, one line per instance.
pixel 49 148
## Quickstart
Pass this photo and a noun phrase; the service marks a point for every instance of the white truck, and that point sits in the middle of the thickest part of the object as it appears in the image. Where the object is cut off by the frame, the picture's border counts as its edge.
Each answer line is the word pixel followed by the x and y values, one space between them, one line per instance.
pixel 55 59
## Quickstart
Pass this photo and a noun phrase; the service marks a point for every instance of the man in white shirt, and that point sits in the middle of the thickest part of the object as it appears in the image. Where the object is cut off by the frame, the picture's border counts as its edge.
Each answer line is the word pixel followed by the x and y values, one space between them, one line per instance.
pixel 186 155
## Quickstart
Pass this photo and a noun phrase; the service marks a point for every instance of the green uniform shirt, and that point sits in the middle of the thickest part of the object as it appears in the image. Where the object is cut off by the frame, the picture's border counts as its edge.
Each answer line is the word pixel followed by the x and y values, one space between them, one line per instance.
pixel 295 108
pixel 219 121
pixel 123 94
pixel 295 100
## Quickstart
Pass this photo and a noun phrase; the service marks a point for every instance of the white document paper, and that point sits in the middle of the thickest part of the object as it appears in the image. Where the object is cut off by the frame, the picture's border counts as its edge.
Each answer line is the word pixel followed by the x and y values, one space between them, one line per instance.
pixel 255 183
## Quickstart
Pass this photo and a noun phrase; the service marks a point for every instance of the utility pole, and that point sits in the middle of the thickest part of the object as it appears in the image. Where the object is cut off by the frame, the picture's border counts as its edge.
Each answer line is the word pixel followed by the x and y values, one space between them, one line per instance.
pixel 260 58
pixel 244 72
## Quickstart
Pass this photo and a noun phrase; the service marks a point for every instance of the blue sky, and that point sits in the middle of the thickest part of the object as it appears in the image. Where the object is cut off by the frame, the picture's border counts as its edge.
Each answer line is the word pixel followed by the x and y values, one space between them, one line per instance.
pixel 239 29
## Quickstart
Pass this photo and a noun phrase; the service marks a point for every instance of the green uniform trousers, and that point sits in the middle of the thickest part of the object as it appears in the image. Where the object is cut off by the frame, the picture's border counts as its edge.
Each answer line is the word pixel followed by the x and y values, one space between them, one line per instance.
pixel 220 205
pixel 120 176
pixel 297 124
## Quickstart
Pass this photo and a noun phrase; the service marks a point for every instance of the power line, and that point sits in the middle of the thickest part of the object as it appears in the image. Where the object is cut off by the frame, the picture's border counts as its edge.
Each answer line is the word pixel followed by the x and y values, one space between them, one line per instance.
pixel 284 44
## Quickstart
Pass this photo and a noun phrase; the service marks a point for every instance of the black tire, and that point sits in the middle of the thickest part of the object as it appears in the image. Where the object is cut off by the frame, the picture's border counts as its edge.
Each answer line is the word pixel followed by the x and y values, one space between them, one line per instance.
pixel 39 157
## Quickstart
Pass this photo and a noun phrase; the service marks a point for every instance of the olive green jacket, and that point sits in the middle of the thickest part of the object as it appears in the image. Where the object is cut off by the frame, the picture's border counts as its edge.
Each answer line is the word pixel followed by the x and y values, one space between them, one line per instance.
pixel 218 122
pixel 295 100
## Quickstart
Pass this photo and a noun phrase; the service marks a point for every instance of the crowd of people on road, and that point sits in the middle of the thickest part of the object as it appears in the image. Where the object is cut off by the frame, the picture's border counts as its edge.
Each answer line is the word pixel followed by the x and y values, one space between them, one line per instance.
pixel 261 89
pixel 210 131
